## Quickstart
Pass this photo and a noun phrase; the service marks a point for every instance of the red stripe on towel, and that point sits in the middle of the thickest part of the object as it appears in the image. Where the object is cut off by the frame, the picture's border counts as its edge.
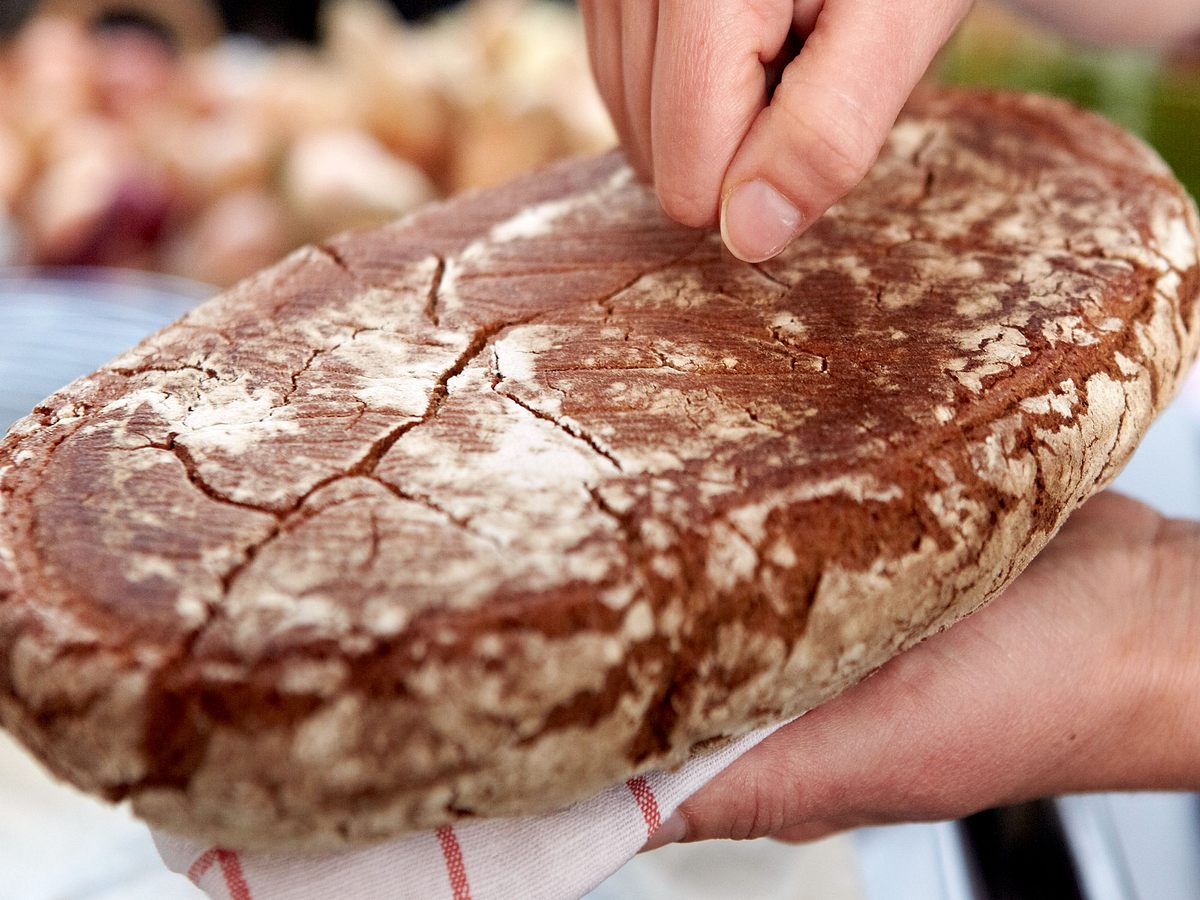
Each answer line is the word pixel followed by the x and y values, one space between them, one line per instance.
pixel 455 867
pixel 231 871
pixel 202 864
pixel 646 802
pixel 235 879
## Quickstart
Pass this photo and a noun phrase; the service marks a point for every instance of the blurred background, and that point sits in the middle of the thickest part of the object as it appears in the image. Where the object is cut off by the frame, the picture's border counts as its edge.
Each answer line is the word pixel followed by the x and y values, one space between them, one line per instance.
pixel 147 135
pixel 152 151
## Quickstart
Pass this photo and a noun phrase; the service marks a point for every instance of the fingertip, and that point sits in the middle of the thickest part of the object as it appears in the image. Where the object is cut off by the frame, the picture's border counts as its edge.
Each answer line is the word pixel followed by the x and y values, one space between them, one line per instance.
pixel 758 220
pixel 686 207
pixel 708 88
pixel 673 831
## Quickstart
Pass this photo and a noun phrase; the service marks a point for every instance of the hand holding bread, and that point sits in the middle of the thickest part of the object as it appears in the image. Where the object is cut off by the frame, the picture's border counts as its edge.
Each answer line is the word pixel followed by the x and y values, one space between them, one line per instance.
pixel 761 115
pixel 1080 677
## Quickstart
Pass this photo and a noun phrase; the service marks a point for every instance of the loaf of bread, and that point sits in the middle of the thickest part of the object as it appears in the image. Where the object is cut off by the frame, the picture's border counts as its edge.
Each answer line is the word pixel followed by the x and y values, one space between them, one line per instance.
pixel 476 514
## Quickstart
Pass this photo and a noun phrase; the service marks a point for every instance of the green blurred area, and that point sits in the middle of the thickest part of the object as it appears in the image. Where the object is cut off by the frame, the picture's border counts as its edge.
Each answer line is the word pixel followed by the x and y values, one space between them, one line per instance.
pixel 1158 100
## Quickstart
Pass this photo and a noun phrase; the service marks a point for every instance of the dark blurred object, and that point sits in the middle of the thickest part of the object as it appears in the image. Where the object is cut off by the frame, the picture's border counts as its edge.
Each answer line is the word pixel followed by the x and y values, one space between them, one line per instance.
pixel 270 20
pixel 186 24
pixel 416 9
pixel 1021 853
pixel 13 13
pixel 298 19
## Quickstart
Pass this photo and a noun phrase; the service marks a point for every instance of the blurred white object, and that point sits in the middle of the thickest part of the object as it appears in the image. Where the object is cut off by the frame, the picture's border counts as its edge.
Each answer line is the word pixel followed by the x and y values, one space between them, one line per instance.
pixel 57 843
pixel 1191 394
pixel 58 324
pixel 228 150
pixel 241 233
pixel 342 179
pixel 756 870
pixel 1165 470
pixel 10 238
pixel 78 186
pixel 402 84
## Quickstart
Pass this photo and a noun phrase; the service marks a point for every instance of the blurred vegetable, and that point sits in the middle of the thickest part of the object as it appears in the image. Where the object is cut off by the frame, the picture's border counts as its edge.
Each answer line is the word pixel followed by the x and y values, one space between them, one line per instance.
pixel 341 179
pixel 117 149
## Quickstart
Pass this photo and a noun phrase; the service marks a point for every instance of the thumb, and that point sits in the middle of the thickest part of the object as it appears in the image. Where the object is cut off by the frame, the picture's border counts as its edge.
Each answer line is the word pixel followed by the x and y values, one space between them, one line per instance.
pixel 1065 683
pixel 829 116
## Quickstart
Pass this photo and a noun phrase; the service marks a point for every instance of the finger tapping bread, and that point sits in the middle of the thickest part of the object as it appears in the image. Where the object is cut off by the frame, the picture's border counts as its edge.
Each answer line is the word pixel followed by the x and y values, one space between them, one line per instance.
pixel 478 513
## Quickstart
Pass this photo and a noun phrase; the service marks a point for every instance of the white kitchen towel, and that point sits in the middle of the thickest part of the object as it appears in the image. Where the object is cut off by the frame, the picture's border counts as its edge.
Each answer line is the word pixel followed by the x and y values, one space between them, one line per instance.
pixel 562 855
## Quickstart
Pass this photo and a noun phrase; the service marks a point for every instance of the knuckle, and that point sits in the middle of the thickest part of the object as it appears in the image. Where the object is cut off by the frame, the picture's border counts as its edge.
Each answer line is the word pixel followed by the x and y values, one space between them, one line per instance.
pixel 761 811
pixel 766 13
pixel 839 164
pixel 837 159
pixel 836 147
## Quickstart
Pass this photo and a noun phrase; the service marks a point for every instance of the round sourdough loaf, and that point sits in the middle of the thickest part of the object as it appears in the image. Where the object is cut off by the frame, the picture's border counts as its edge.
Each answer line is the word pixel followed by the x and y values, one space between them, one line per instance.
pixel 481 512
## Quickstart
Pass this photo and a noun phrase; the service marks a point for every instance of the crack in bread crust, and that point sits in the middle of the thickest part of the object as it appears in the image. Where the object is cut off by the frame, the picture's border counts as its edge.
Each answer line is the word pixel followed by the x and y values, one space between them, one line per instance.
pixel 478 513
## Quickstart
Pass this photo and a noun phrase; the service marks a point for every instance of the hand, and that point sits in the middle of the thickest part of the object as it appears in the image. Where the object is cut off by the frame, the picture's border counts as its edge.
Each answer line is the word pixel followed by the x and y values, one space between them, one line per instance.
pixel 1083 675
pixel 688 85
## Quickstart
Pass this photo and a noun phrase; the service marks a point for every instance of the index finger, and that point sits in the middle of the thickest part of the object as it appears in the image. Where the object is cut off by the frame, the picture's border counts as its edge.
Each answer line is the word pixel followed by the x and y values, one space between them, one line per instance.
pixel 709 85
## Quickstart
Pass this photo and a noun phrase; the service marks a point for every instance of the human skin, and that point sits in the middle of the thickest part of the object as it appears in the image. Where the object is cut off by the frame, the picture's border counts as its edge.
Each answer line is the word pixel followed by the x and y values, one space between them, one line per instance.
pixel 689 86
pixel 1083 675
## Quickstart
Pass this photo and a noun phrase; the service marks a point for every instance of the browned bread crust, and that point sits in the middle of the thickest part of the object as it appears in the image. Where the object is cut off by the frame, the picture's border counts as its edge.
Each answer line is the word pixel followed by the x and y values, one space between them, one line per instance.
pixel 483 511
